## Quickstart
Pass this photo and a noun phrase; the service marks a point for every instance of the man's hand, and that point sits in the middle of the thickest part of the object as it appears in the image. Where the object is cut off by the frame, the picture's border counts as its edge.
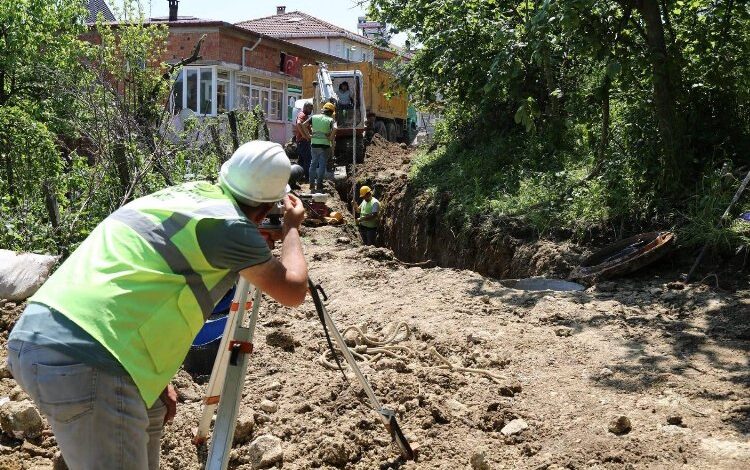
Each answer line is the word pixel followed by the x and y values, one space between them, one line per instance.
pixel 294 212
pixel 169 398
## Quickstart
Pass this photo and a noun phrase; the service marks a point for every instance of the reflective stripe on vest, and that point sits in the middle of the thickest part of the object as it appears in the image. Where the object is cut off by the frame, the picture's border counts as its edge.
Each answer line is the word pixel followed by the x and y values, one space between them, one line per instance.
pixel 321 125
pixel 159 238
pixel 140 285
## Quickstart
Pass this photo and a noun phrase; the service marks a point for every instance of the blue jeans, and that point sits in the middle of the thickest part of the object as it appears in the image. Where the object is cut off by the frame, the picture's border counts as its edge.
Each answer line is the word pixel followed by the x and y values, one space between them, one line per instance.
pixel 305 156
pixel 318 166
pixel 368 234
pixel 99 420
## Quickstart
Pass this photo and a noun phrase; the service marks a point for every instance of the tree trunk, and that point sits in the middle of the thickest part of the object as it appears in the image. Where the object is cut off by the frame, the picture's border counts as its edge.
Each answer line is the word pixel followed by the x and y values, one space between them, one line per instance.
pixel 663 81
pixel 50 202
pixel 9 177
pixel 120 158
pixel 605 119
pixel 2 88
pixel 233 129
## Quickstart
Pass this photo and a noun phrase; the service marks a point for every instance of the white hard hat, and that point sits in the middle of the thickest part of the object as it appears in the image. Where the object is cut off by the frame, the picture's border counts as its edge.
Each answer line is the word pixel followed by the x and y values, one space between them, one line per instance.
pixel 258 171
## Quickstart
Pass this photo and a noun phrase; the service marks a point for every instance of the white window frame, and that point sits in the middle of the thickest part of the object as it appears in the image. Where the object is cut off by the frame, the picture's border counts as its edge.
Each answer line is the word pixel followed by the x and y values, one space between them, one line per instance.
pixel 198 70
pixel 228 82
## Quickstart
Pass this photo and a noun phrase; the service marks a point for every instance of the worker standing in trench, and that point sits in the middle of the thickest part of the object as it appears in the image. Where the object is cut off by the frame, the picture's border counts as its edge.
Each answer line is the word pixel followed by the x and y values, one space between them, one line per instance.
pixel 99 342
pixel 323 136
pixel 368 216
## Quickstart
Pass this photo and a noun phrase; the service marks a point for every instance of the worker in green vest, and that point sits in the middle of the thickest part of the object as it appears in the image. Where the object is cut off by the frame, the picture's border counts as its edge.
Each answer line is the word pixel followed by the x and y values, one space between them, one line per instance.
pixel 368 216
pixel 100 341
pixel 323 136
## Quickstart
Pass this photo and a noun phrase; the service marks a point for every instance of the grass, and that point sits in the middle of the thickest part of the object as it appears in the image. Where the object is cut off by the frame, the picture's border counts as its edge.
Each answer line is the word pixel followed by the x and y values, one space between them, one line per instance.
pixel 554 197
pixel 491 180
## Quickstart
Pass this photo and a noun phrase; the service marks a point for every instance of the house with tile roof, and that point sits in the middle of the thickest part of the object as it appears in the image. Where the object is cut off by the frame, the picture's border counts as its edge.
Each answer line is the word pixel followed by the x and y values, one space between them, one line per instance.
pixel 239 69
pixel 98 6
pixel 306 30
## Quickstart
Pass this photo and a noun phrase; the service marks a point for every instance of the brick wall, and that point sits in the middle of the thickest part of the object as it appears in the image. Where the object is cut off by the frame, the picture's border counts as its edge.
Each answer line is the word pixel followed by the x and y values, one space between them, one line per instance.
pixel 221 46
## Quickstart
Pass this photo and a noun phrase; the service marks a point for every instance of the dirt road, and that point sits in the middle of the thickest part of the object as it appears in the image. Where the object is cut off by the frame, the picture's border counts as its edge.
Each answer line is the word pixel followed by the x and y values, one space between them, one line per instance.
pixel 672 359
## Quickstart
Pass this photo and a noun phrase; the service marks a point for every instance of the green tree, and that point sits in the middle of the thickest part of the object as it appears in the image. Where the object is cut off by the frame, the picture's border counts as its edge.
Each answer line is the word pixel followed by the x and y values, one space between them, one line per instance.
pixel 552 64
pixel 39 40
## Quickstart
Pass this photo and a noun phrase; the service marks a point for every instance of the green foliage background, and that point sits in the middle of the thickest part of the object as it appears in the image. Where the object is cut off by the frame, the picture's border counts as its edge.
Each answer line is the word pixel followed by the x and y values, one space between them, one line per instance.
pixel 578 116
pixel 84 124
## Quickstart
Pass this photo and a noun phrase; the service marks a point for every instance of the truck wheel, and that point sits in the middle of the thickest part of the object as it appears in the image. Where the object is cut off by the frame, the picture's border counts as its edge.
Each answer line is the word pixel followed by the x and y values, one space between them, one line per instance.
pixel 392 133
pixel 344 151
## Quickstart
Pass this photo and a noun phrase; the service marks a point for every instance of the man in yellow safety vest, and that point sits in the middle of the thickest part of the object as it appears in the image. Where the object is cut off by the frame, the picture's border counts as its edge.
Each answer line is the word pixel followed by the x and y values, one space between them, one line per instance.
pixel 99 342
pixel 323 135
pixel 368 216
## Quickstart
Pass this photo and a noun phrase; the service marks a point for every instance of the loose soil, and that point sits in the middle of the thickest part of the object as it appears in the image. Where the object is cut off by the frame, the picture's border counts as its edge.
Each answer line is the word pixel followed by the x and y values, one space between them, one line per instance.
pixel 568 364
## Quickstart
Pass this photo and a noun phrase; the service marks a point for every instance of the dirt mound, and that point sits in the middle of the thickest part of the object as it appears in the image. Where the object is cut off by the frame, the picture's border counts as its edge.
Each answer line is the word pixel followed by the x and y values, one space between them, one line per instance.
pixel 382 155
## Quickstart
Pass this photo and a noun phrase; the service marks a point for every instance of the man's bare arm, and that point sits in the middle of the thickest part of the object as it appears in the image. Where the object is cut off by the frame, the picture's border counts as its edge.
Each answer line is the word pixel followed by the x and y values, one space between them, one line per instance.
pixel 284 279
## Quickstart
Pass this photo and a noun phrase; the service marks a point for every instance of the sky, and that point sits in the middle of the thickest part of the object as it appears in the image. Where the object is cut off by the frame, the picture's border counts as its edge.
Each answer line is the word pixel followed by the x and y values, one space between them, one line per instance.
pixel 343 13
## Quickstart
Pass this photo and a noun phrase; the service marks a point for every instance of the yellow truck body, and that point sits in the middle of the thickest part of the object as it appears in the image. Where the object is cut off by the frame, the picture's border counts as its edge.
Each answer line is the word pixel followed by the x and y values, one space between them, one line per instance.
pixel 380 96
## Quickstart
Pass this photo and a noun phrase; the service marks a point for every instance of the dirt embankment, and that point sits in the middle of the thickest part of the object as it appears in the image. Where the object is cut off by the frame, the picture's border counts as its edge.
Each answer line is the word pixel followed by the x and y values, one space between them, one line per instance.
pixel 415 226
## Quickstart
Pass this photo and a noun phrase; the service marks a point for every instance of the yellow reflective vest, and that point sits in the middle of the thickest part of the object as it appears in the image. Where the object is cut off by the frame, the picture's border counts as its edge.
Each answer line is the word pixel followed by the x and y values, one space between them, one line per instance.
pixel 321 126
pixel 140 284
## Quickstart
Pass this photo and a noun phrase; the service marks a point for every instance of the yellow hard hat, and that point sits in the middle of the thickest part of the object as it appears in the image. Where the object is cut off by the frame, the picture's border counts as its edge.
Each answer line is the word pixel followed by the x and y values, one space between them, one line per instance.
pixel 329 107
pixel 337 216
pixel 364 190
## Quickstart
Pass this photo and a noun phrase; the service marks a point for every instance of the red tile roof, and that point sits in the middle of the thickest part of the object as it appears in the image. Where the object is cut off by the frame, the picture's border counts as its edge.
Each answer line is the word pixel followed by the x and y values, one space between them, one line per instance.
pixel 296 24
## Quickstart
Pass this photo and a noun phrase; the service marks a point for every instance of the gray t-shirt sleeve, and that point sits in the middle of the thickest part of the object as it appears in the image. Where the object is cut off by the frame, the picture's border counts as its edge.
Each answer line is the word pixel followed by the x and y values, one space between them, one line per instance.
pixel 232 244
pixel 375 207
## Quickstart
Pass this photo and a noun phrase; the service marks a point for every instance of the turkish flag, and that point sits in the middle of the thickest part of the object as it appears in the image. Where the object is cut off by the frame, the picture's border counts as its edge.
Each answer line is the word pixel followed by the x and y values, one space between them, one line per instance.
pixel 292 65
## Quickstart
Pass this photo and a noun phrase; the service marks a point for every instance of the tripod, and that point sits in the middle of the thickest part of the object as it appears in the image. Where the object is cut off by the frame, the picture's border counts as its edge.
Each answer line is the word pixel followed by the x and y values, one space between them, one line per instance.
pixel 227 376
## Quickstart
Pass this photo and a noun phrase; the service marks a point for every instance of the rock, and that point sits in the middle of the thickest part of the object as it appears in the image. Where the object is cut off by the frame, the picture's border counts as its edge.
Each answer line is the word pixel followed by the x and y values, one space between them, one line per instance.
pixel 351 337
pixel 514 427
pixel 456 406
pixel 21 420
pixel 273 386
pixel 563 331
pixel 303 408
pixel 478 461
pixel 268 406
pixel 35 450
pixel 511 389
pixel 603 374
pixel 620 425
pixel 343 240
pixel 245 426
pixel 440 415
pixel 265 451
pixel 391 363
pixel 674 420
pixel 281 338
pixel 670 296
pixel 672 429
pixel 333 452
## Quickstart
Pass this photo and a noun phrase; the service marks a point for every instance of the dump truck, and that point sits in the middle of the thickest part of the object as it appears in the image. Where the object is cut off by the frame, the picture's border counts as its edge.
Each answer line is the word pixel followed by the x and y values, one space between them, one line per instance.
pixel 389 107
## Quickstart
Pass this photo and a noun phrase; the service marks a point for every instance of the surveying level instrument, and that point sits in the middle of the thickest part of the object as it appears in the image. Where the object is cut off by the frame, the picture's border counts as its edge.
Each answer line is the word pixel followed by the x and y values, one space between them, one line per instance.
pixel 230 367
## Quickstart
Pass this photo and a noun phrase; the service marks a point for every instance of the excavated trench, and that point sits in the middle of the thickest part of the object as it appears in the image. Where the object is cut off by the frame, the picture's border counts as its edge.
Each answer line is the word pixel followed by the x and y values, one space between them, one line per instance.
pixel 416 227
